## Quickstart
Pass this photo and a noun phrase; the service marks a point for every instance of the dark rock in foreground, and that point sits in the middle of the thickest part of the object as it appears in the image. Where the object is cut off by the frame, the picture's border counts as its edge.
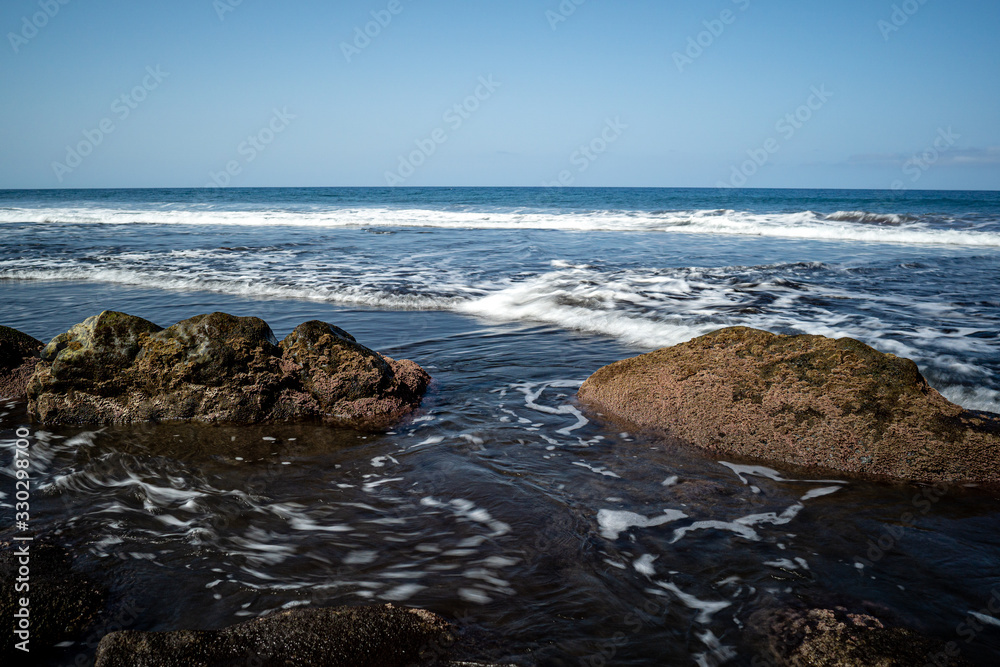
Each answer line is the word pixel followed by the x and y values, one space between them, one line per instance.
pixel 838 638
pixel 18 356
pixel 116 368
pixel 63 603
pixel 804 400
pixel 371 636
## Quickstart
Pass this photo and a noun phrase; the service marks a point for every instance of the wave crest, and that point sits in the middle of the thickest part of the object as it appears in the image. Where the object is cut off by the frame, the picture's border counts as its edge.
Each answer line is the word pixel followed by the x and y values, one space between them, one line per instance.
pixel 873 218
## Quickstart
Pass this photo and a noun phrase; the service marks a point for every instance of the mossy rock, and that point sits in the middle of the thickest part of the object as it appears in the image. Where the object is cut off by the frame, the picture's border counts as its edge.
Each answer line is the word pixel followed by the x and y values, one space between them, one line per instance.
pixel 804 400
pixel 115 368
pixel 839 638
pixel 209 349
pixel 98 348
pixel 368 636
pixel 334 365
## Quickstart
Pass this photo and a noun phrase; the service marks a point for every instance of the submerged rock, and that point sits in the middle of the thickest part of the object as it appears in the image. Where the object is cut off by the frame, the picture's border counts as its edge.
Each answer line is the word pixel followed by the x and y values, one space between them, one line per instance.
pixel 117 368
pixel 18 356
pixel 803 400
pixel 369 636
pixel 839 638
pixel 63 603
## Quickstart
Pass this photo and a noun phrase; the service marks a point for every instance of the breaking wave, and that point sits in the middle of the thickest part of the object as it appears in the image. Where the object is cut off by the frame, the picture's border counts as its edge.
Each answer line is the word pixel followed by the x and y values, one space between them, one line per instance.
pixel 838 226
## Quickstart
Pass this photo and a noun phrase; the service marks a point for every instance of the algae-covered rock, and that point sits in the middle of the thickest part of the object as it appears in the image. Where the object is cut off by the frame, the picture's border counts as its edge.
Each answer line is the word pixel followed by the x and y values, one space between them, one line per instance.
pixel 349 380
pixel 98 349
pixel 18 356
pixel 210 350
pixel 115 368
pixel 368 636
pixel 804 400
pixel 839 638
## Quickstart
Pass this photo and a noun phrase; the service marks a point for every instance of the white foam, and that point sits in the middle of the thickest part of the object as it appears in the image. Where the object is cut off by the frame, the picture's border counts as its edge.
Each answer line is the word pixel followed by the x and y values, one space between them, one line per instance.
pixel 467 510
pixel 402 592
pixel 474 595
pixel 718 653
pixel 600 470
pixel 761 471
pixel 306 524
pixel 989 620
pixel 839 226
pixel 816 493
pixel 706 609
pixel 740 529
pixel 371 486
pixel 615 522
pixel 532 395
pixel 644 564
pixel 360 557
pixel 787 564
pixel 380 461
pixel 973 398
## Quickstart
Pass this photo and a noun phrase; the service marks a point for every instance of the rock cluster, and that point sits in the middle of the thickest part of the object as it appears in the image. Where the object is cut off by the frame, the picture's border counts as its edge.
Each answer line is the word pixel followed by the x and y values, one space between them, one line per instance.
pixel 115 368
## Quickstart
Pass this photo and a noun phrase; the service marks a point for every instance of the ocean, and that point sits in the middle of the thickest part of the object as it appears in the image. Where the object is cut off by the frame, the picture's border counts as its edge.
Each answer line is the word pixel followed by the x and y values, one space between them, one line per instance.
pixel 500 502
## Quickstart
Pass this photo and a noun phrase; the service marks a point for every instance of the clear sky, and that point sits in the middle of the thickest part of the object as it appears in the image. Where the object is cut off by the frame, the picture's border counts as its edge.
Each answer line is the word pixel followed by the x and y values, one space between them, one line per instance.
pixel 598 93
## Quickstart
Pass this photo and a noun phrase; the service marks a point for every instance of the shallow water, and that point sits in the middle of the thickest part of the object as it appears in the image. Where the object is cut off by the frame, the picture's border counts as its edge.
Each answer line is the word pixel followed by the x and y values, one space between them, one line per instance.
pixel 500 503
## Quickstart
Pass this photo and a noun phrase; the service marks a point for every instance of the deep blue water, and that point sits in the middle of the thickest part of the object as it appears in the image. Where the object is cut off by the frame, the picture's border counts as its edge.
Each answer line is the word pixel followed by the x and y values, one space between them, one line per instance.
pixel 510 297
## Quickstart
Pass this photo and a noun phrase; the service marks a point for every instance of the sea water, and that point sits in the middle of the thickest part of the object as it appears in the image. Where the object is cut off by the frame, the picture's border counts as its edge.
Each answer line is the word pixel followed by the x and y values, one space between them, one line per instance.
pixel 502 503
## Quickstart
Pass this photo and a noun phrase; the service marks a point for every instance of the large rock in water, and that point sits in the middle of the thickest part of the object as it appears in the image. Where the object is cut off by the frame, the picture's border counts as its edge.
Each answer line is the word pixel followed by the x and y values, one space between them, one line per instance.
pixel 117 368
pixel 18 356
pixel 371 636
pixel 804 400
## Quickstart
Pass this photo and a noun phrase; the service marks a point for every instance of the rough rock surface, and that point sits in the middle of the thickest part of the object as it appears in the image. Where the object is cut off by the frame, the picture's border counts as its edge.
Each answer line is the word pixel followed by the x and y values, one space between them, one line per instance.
pixel 18 356
pixel 63 603
pixel 839 638
pixel 804 400
pixel 369 636
pixel 117 368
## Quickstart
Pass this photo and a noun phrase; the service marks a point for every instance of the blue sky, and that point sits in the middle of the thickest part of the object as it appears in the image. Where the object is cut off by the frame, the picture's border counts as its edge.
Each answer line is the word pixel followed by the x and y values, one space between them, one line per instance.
pixel 601 93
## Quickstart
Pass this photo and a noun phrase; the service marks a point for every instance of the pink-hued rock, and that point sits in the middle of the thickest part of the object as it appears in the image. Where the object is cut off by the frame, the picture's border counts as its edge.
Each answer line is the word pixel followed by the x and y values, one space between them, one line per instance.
pixel 18 356
pixel 368 636
pixel 803 400
pixel 116 368
pixel 364 636
pixel 839 638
